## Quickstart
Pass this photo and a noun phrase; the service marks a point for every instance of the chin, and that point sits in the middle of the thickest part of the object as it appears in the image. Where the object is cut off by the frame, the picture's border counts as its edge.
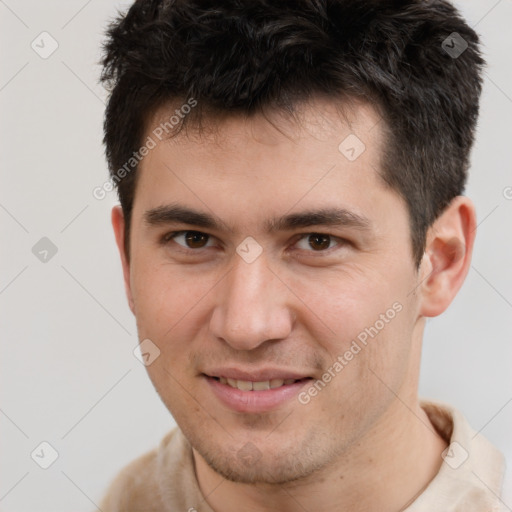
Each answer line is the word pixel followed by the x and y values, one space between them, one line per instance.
pixel 249 465
pixel 261 472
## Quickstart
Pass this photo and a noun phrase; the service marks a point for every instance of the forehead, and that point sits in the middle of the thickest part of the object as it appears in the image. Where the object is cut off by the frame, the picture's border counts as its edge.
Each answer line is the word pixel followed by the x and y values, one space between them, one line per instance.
pixel 319 117
pixel 257 168
pixel 320 133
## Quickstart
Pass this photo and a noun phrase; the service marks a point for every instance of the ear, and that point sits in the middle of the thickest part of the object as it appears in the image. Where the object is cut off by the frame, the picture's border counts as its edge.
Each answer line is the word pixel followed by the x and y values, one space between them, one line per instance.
pixel 118 225
pixel 447 256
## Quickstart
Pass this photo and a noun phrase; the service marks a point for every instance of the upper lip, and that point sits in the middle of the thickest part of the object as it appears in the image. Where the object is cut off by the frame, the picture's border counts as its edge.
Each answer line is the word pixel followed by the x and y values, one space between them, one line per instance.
pixel 255 375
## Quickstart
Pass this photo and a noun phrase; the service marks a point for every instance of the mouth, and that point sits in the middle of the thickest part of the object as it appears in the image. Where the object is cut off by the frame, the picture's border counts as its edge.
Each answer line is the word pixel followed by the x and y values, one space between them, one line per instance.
pixel 255 396
pixel 247 385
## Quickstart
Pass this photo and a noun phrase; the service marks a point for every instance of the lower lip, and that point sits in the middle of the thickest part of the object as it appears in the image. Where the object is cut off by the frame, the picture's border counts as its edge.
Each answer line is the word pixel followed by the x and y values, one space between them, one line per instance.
pixel 254 401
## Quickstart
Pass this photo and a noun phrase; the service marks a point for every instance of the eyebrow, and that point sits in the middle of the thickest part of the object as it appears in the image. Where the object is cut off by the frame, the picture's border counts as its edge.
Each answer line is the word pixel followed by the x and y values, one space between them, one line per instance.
pixel 175 213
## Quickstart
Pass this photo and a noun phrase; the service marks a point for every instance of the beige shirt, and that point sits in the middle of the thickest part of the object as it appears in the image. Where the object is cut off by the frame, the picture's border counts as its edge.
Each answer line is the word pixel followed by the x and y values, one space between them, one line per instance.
pixel 469 480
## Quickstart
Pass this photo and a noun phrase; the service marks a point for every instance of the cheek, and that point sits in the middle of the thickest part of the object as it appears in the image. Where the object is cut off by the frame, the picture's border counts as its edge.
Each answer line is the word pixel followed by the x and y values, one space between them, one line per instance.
pixel 370 321
pixel 163 295
pixel 347 304
pixel 170 305
pixel 369 366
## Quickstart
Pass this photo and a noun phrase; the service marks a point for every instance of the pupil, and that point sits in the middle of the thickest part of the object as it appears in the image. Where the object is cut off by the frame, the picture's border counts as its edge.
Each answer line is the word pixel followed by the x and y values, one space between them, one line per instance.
pixel 319 237
pixel 193 237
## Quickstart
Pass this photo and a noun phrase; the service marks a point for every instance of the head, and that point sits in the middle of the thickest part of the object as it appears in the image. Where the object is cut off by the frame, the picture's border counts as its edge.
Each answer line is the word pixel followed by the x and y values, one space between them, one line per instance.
pixel 336 136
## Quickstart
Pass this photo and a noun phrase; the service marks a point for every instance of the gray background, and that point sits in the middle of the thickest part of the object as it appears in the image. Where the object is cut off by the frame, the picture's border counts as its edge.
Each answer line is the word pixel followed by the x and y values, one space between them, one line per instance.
pixel 68 373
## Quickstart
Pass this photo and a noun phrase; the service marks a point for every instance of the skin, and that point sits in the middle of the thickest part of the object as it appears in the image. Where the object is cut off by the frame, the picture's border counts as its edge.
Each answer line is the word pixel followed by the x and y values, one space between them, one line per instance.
pixel 363 443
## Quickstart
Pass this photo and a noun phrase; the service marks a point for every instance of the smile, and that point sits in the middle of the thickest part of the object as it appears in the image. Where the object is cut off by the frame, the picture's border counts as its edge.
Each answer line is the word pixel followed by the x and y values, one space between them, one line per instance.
pixel 247 385
pixel 254 396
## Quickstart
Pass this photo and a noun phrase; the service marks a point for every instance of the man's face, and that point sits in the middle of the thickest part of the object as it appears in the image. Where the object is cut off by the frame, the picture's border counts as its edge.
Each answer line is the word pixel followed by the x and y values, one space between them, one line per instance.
pixel 283 304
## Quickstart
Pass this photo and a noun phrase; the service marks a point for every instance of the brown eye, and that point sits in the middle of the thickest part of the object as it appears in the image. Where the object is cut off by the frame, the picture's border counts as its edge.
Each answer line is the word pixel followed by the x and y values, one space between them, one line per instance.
pixel 317 242
pixel 195 239
pixel 191 239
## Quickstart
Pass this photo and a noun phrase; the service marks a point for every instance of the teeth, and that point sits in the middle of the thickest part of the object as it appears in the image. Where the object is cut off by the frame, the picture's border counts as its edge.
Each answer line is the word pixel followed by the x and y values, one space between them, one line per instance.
pixel 245 385
pixel 260 386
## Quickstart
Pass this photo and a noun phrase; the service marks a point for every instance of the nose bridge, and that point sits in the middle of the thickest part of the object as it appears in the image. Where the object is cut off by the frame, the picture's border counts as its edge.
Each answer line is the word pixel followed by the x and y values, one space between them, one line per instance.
pixel 252 306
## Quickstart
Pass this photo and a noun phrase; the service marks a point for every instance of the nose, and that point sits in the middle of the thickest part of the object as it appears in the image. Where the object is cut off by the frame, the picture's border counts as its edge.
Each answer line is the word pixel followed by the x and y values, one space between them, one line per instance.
pixel 252 305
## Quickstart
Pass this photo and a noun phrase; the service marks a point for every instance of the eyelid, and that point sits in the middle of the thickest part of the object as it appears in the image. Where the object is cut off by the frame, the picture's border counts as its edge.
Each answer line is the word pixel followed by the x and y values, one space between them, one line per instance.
pixel 340 242
pixel 165 239
pixel 168 237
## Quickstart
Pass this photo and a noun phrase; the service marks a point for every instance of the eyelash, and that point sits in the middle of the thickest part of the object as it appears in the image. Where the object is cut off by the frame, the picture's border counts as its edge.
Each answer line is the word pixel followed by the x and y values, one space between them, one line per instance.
pixel 170 236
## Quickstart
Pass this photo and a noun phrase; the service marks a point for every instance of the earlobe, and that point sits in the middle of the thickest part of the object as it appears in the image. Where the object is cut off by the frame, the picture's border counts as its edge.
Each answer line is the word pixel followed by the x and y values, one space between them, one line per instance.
pixel 117 219
pixel 447 256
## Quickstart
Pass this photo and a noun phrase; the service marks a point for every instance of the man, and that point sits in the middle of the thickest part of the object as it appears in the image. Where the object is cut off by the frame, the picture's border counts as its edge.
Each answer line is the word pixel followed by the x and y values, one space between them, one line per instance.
pixel 290 177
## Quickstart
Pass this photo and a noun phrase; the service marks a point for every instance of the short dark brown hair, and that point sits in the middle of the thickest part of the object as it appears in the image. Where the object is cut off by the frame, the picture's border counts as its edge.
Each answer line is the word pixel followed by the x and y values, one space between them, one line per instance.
pixel 416 61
